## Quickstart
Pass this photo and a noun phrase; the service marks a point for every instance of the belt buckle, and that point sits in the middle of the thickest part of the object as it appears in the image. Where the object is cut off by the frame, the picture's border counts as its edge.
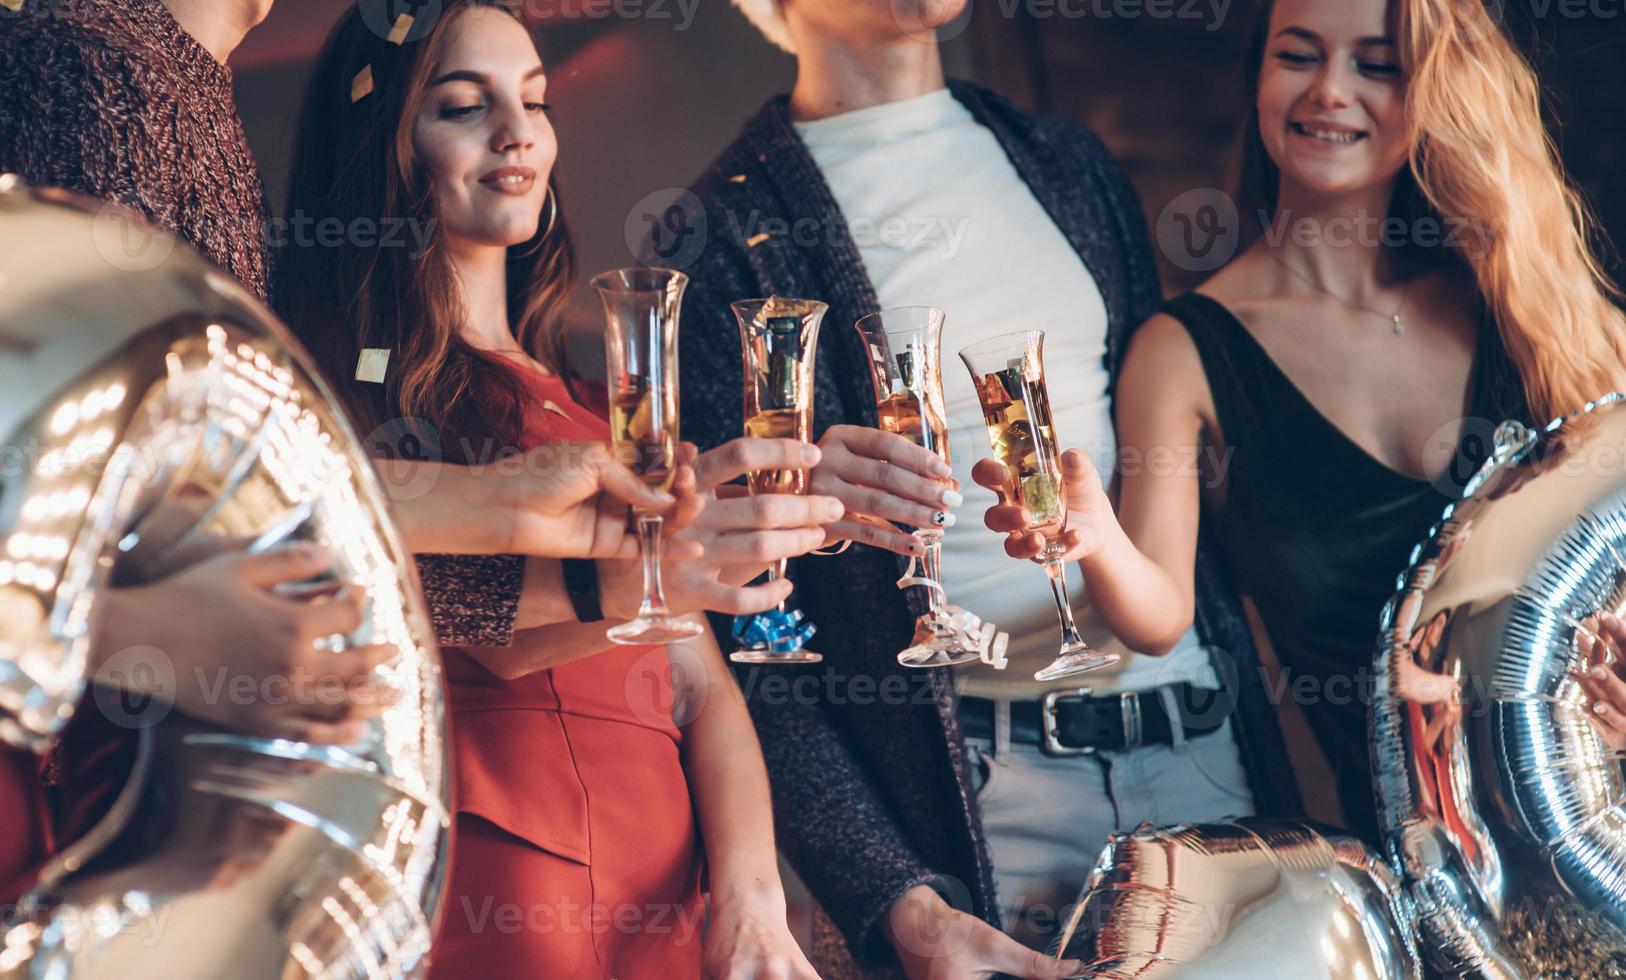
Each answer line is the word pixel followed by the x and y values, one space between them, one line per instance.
pixel 1051 742
pixel 1129 710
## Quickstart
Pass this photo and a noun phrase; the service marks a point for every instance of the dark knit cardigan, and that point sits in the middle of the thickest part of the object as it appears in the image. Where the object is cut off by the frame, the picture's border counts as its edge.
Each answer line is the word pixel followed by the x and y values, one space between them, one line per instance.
pixel 870 788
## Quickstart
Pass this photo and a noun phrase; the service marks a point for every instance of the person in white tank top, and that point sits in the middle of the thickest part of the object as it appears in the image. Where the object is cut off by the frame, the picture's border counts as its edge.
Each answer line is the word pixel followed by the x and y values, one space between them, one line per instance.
pixel 941 216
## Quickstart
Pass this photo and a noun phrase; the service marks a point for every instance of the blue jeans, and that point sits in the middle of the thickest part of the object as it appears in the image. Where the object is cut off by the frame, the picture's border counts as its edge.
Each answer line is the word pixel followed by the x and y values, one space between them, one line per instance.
pixel 1047 818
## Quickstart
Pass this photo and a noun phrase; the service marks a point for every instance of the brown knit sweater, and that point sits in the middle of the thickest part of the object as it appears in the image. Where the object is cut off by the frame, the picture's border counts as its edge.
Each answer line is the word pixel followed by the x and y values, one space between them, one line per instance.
pixel 114 99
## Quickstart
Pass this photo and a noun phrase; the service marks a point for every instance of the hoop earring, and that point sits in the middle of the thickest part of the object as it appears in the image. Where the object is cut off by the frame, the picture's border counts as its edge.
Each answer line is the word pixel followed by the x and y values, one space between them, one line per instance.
pixel 553 218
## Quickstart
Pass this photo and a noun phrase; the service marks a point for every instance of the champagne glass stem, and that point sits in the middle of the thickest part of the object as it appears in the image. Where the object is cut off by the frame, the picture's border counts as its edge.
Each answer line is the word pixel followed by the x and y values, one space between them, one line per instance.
pixel 931 565
pixel 1056 570
pixel 776 571
pixel 649 544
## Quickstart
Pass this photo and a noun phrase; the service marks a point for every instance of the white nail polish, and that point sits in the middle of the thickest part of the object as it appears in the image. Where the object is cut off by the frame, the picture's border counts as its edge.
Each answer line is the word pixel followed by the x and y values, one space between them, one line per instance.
pixel 952 498
pixel 943 519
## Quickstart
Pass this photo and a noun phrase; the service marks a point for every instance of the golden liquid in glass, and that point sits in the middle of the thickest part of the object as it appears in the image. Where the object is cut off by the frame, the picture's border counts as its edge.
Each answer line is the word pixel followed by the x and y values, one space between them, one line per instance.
pixel 901 414
pixel 1017 414
pixel 647 444
pixel 778 423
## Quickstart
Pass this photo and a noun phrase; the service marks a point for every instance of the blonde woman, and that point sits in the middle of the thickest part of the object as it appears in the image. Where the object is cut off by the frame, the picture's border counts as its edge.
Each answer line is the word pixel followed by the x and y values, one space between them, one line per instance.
pixel 1419 270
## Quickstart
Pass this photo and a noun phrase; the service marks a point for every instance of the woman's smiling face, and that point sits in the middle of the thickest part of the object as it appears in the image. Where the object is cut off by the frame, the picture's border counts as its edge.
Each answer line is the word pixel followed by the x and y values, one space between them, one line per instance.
pixel 483 134
pixel 1331 102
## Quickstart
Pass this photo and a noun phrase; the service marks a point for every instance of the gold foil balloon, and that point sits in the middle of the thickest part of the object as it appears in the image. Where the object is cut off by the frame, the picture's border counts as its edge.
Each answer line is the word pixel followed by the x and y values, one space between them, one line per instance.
pixel 155 414
pixel 1500 803
pixel 1252 899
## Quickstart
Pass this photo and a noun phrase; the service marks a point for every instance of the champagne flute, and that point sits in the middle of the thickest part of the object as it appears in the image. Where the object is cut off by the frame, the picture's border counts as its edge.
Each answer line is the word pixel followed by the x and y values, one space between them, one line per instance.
pixel 1008 371
pixel 778 341
pixel 641 310
pixel 906 370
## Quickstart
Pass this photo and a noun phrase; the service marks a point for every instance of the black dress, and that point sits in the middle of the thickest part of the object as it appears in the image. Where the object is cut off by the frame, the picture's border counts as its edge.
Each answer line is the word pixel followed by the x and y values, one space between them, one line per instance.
pixel 1317 530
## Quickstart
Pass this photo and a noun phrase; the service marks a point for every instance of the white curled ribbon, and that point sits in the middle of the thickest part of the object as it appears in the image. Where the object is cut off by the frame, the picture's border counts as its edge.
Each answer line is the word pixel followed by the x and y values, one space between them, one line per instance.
pixel 966 627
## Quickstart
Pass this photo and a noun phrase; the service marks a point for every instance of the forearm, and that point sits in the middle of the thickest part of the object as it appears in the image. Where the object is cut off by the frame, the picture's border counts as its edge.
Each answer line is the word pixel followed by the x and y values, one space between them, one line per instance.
pixel 445 509
pixel 542 648
pixel 543 599
pixel 728 779
pixel 547 632
pixel 1140 601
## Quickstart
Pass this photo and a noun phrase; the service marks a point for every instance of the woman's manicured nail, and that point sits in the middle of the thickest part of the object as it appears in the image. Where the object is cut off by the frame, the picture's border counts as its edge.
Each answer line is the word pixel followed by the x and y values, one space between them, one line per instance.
pixel 1601 708
pixel 952 498
pixel 833 510
pixel 943 519
pixel 940 468
pixel 810 454
pixel 1599 674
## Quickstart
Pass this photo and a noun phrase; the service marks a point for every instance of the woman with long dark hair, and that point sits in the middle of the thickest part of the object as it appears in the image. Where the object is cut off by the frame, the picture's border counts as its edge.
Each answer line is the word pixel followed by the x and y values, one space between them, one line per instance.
pixel 1418 271
pixel 583 806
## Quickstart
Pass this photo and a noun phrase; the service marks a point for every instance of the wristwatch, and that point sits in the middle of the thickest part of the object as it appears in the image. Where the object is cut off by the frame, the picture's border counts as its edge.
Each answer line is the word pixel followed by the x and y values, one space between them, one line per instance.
pixel 581 584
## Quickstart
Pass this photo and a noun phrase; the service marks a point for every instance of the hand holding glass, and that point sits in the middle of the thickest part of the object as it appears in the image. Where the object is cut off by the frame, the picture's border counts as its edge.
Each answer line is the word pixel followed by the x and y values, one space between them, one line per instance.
pixel 641 308
pixel 1009 375
pixel 778 341
pixel 906 370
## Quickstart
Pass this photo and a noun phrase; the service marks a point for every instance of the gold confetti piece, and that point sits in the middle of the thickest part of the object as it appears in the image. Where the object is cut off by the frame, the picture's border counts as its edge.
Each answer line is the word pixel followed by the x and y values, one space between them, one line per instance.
pixel 398 33
pixel 737 179
pixel 758 239
pixel 13 5
pixel 372 364
pixel 362 85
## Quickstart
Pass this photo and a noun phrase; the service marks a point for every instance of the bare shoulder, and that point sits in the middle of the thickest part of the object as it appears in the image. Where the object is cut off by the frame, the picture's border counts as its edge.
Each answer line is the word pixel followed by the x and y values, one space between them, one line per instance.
pixel 1161 345
pixel 1163 374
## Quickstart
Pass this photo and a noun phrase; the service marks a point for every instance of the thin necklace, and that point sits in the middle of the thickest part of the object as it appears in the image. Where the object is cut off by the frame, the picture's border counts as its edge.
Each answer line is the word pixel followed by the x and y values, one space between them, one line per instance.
pixel 1393 318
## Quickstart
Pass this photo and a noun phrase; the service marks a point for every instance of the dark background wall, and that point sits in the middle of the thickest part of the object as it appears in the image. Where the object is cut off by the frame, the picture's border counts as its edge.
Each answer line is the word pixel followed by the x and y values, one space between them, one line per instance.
pixel 646 92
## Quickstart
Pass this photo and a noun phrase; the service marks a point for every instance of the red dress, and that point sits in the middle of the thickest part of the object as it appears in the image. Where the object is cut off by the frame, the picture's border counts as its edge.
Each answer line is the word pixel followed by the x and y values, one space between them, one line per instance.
pixel 25 843
pixel 575 853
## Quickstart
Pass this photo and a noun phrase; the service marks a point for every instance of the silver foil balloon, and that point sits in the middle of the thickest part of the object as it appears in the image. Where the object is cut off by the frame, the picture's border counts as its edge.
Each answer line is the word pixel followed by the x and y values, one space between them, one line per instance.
pixel 1500 803
pixel 155 414
pixel 1251 899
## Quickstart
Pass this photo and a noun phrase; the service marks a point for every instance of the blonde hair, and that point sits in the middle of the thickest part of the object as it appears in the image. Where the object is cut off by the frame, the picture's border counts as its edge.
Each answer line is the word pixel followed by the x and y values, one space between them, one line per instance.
pixel 1481 154
pixel 1483 165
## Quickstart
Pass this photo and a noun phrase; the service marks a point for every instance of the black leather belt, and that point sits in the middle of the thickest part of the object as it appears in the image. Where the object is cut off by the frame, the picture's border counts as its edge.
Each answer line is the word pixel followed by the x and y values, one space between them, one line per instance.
pixel 1071 722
